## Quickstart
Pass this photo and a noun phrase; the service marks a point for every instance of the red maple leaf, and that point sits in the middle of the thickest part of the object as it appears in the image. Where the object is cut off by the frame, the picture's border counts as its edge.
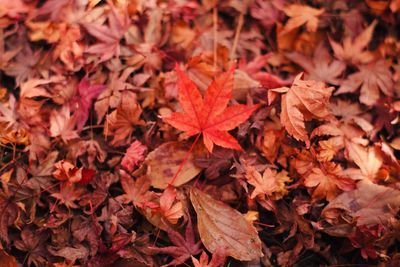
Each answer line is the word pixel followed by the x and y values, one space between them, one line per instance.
pixel 209 116
pixel 183 246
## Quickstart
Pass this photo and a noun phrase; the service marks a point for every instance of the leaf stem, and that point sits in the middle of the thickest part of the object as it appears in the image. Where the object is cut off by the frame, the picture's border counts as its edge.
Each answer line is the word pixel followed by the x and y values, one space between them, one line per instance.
pixel 184 160
pixel 215 35
pixel 237 34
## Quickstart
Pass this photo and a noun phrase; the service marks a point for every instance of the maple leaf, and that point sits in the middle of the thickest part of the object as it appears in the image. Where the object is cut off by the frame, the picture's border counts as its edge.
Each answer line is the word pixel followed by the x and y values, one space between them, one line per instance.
pixel 122 121
pixel 353 50
pixel 328 180
pixel 210 116
pixel 268 12
pixel 133 156
pixel 217 260
pixel 304 100
pixel 69 50
pixel 136 192
pixel 6 55
pixel 370 78
pixel 299 15
pixel 367 159
pixel 82 103
pixel 341 133
pixel 62 124
pixel 8 113
pixel 184 247
pixel 364 238
pixel 71 253
pixel 23 65
pixel 68 194
pixel 116 91
pixel 66 171
pixel 328 149
pixel 169 208
pixel 35 87
pixel 34 243
pixel 271 183
pixel 320 67
pixel 111 35
pixel 9 213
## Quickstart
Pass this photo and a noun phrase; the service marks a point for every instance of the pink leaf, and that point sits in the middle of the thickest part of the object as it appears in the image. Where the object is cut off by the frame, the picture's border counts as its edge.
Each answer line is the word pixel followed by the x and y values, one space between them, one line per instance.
pixel 133 156
pixel 82 103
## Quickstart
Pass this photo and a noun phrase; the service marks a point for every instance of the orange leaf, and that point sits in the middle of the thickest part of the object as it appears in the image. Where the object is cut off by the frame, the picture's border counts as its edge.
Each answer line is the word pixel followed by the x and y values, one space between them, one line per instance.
pixel 171 209
pixel 304 100
pixel 271 183
pixel 210 116
pixel 7 260
pixel 299 15
pixel 328 181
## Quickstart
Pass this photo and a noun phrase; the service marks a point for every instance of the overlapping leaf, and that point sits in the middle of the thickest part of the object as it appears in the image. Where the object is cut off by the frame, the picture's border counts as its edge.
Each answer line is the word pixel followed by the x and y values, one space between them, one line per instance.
pixel 304 100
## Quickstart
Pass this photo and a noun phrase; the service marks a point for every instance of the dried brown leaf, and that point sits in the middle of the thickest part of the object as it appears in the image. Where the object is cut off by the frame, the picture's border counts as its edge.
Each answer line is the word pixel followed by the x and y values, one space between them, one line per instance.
pixel 222 226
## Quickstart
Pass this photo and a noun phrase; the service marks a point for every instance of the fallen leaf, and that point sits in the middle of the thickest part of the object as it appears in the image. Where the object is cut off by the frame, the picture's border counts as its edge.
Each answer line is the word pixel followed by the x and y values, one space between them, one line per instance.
pixel 33 242
pixel 368 204
pixel 135 191
pixel 63 124
pixel 328 181
pixel 36 87
pixel 320 67
pixel 133 156
pixel 68 194
pixel 163 163
pixel 184 247
pixel 210 116
pixel 365 239
pixel 304 100
pixel 367 159
pixel 121 122
pixel 353 50
pixel 299 15
pixel 66 171
pixel 370 78
pixel 221 226
pixel 109 36
pixel 217 260
pixel 271 183
pixel 82 103
pixel 71 253
pixel 171 208
pixel 7 260
pixel 9 213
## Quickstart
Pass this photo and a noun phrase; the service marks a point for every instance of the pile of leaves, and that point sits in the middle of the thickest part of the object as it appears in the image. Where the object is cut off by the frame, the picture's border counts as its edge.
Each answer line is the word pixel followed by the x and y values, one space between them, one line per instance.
pixel 199 133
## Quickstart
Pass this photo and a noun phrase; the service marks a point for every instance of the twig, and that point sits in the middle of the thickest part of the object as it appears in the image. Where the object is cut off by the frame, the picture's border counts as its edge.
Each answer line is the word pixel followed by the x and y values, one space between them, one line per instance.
pixel 237 33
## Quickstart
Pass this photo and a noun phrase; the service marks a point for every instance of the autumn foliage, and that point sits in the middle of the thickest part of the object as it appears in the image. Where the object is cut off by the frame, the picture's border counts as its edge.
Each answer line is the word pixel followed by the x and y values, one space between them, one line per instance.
pixel 199 133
